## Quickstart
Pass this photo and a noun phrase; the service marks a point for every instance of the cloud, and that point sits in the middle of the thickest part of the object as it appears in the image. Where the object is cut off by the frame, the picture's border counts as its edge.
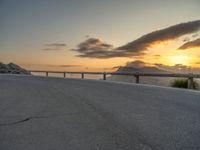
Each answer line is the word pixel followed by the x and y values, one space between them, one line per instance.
pixel 191 44
pixel 63 66
pixel 157 56
pixel 186 39
pixel 55 46
pixel 97 48
pixel 94 47
pixel 170 33
pixel 195 35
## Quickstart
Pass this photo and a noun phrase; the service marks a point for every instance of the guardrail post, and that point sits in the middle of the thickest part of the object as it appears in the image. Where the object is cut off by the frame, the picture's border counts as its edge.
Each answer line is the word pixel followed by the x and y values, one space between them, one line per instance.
pixel 137 79
pixel 47 74
pixel 64 74
pixel 82 75
pixel 104 76
pixel 190 82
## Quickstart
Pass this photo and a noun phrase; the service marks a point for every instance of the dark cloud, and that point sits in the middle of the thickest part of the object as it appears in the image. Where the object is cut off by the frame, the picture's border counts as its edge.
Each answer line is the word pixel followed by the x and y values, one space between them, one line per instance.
pixel 96 48
pixel 170 33
pixel 55 46
pixel 191 44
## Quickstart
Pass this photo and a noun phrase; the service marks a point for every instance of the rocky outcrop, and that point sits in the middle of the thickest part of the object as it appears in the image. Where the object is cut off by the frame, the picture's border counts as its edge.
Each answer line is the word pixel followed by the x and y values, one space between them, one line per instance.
pixel 12 68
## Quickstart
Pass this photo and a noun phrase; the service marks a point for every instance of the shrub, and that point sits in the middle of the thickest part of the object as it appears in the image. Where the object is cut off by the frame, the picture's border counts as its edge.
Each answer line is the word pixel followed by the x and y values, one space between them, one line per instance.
pixel 183 83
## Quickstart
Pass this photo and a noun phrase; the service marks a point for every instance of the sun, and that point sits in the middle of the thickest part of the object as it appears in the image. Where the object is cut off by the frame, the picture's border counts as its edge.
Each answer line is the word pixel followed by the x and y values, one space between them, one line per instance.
pixel 179 59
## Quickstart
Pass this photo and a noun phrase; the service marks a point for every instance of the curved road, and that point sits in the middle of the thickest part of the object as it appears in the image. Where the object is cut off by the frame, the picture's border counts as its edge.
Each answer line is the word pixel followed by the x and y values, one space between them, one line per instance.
pixel 45 113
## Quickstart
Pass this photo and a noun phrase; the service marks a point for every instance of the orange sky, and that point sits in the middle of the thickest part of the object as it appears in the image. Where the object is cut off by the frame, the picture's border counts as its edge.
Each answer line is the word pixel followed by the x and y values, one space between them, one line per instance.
pixel 28 27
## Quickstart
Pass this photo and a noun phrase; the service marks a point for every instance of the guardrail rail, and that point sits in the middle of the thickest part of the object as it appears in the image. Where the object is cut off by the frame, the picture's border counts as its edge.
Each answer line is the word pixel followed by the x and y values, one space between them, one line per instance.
pixel 137 76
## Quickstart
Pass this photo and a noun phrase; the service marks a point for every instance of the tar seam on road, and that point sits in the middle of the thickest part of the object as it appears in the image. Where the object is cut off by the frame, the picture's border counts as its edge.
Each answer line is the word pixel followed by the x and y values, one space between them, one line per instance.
pixel 36 117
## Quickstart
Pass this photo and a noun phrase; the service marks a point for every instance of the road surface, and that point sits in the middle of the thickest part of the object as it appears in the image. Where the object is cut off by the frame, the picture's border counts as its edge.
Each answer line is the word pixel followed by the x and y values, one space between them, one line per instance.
pixel 45 113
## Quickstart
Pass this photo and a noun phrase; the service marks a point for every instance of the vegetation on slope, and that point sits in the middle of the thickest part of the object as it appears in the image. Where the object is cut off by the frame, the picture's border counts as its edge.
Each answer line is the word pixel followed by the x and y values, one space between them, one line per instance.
pixel 183 83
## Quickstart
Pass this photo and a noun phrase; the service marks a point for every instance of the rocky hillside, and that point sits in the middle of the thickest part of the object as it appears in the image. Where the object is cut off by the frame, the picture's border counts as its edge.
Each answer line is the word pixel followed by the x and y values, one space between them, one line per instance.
pixel 12 68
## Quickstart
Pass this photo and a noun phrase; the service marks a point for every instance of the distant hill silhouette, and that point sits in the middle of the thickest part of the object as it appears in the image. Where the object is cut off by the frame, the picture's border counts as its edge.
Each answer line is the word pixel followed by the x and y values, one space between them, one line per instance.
pixel 161 81
pixel 12 68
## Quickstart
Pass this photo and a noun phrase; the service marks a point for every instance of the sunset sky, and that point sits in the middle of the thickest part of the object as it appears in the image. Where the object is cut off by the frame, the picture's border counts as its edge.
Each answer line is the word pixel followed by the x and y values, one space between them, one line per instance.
pixel 92 35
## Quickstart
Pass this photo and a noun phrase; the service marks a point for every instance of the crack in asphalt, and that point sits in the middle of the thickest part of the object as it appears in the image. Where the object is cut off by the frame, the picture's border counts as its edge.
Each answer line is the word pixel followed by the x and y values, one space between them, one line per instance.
pixel 23 120
pixel 36 117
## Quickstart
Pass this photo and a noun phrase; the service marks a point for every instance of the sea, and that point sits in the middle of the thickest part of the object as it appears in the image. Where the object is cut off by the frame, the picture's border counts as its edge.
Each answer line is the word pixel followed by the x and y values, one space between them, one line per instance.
pixel 70 75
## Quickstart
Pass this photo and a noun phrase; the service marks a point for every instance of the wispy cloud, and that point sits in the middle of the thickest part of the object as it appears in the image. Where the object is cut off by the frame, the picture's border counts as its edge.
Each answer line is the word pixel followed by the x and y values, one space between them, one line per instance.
pixel 55 46
pixel 63 66
pixel 96 48
pixel 190 44
pixel 198 63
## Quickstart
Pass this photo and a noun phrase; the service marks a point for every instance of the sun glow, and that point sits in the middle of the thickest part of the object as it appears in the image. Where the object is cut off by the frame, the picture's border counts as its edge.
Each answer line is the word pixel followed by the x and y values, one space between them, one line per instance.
pixel 179 59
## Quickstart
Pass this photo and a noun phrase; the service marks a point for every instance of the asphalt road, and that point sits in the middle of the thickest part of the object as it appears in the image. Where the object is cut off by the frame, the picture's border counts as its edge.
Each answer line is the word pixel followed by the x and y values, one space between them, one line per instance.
pixel 39 113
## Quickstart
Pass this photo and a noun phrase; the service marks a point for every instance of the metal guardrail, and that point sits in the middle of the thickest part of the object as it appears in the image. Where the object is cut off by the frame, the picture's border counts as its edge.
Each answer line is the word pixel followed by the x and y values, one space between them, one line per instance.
pixel 137 76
